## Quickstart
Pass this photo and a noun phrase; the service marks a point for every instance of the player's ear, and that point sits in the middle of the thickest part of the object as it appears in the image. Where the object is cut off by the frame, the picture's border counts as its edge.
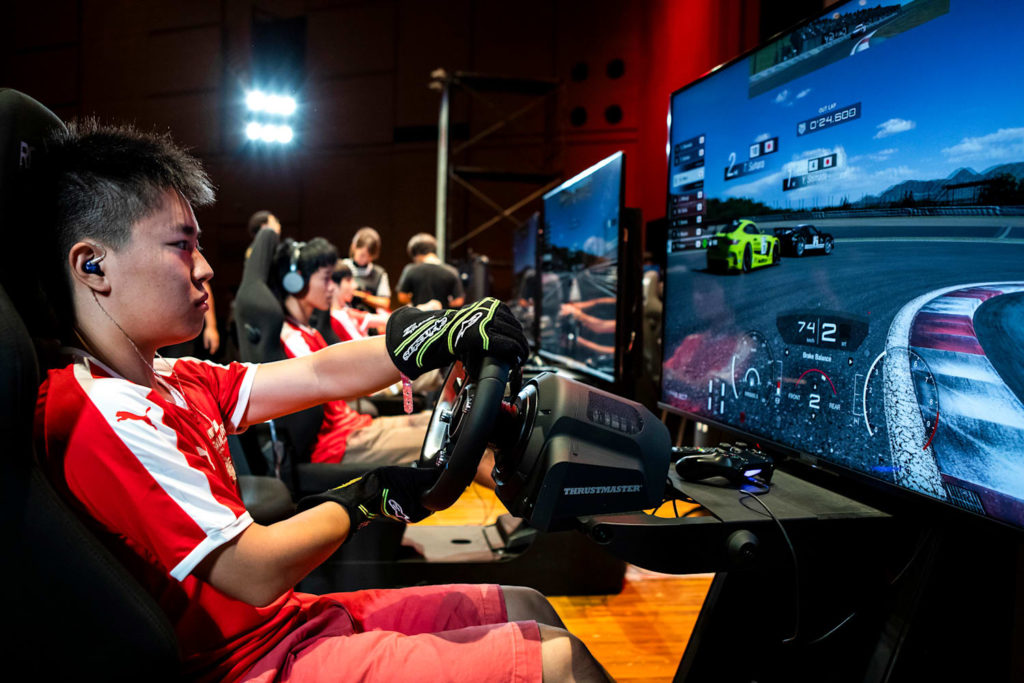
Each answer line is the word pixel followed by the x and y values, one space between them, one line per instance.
pixel 85 262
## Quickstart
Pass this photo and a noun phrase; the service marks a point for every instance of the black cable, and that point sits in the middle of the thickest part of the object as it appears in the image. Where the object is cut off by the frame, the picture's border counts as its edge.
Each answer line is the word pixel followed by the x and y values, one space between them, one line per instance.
pixel 675 509
pixel 832 630
pixel 654 512
pixel 922 542
pixel 899 575
pixel 673 494
pixel 763 488
pixel 796 564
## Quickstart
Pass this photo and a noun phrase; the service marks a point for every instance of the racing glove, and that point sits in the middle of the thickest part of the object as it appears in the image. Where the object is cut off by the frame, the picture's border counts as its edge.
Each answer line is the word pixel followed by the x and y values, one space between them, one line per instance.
pixel 419 341
pixel 392 492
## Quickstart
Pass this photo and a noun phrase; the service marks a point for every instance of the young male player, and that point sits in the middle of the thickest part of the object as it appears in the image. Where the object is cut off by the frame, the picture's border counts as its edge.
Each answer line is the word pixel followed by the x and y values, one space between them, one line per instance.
pixel 139 447
pixel 344 433
pixel 347 321
pixel 427 277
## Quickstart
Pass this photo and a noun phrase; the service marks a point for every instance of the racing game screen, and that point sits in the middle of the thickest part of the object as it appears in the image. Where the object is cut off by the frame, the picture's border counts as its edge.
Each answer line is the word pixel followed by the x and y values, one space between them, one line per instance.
pixel 524 274
pixel 846 247
pixel 579 267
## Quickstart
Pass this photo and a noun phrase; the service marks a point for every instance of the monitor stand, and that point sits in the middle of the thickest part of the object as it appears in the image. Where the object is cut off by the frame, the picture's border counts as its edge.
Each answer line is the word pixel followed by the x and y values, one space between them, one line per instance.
pixel 870 595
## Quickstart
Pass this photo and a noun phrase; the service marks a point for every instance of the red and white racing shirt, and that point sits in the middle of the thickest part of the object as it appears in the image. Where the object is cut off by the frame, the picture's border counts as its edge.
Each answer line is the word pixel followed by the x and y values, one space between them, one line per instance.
pixel 155 477
pixel 350 323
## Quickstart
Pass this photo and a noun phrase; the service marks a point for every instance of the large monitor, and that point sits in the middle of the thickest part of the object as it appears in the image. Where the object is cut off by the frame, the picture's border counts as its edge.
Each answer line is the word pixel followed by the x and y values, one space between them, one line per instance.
pixel 845 269
pixel 525 285
pixel 579 260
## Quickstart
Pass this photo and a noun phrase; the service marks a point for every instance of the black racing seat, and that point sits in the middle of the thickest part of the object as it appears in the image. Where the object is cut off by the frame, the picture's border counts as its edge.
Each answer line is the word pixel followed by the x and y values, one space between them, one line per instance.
pixel 72 604
pixel 69 603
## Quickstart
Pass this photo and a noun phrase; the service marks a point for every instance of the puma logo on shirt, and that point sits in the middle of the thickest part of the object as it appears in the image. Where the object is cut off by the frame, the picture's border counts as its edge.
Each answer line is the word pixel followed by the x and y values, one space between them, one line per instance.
pixel 125 415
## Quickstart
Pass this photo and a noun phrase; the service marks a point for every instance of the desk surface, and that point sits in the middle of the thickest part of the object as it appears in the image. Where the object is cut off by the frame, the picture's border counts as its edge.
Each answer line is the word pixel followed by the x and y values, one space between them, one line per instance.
pixel 789 497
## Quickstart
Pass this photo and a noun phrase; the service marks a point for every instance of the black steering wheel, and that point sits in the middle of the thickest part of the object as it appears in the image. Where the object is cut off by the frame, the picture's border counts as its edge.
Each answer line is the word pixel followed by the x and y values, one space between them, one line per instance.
pixel 460 428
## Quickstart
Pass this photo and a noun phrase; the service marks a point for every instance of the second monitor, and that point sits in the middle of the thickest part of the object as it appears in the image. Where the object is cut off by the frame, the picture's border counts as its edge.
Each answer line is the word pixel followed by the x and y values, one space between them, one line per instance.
pixel 585 258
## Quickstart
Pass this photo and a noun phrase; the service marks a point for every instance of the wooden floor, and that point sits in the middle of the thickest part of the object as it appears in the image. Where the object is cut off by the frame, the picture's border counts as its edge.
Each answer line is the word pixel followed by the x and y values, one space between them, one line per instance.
pixel 638 634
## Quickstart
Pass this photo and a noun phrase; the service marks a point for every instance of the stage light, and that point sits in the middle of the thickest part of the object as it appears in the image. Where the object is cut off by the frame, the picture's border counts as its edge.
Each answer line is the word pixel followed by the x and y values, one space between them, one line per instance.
pixel 269 132
pixel 278 105
pixel 282 105
pixel 267 115
pixel 255 100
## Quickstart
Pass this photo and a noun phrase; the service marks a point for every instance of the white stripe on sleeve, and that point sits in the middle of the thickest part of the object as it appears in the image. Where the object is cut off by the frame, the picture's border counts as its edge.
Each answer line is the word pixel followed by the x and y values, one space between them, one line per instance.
pixel 243 398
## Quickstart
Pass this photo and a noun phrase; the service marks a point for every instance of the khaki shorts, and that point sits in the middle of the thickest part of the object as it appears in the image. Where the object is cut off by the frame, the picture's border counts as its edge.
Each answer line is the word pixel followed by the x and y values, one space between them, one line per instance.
pixel 389 440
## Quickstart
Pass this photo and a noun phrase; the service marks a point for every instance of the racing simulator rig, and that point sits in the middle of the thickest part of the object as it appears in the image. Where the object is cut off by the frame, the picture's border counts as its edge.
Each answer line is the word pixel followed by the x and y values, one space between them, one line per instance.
pixel 883 378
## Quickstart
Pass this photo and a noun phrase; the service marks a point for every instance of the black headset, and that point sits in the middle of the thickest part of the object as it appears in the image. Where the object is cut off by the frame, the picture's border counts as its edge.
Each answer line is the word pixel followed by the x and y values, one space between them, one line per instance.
pixel 294 281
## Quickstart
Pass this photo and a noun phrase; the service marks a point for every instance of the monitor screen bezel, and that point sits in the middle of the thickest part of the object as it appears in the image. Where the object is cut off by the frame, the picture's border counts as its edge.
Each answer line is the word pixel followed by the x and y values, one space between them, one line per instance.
pixel 805 459
pixel 533 332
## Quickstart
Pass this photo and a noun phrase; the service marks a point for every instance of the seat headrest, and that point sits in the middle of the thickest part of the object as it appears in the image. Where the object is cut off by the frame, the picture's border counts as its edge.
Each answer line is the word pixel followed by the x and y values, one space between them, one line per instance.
pixel 24 125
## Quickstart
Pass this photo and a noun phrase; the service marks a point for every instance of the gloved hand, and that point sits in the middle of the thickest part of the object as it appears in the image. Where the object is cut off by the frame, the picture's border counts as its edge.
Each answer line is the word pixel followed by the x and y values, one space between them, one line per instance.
pixel 419 341
pixel 392 492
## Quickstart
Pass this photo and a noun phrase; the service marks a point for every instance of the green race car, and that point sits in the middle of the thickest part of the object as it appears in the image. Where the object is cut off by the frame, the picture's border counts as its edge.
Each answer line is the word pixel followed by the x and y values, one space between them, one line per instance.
pixel 741 246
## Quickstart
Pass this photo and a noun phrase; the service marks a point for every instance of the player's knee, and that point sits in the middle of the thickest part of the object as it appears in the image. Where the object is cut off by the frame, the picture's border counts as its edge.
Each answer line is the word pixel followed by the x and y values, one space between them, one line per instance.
pixel 556 648
pixel 483 475
pixel 525 604
pixel 566 658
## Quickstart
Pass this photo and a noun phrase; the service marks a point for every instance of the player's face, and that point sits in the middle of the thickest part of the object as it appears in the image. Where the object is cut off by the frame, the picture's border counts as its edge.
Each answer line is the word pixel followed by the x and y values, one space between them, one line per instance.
pixel 345 289
pixel 321 289
pixel 157 278
pixel 361 255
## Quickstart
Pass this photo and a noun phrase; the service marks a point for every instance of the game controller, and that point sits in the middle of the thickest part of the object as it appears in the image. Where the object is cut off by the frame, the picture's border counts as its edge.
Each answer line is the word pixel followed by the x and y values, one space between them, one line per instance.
pixel 739 463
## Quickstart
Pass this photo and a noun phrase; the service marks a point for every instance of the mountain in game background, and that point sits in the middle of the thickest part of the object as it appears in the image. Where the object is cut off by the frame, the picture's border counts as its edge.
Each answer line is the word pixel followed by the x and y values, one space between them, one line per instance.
pixel 1000 184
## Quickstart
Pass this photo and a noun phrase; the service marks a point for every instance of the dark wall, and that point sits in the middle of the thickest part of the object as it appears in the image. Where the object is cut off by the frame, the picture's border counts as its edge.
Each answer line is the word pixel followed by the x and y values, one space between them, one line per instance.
pixel 366 152
pixel 779 15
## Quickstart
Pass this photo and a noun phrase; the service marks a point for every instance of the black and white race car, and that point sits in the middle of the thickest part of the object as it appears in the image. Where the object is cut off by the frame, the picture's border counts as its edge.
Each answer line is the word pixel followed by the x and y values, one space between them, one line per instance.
pixel 804 239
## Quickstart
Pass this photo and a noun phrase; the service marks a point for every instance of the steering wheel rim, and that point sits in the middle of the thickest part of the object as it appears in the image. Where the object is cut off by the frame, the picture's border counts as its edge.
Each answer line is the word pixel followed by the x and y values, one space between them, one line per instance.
pixel 460 427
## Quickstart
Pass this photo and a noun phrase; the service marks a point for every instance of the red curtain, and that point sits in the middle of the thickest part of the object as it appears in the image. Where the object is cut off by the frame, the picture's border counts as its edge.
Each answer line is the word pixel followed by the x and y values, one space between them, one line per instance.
pixel 685 39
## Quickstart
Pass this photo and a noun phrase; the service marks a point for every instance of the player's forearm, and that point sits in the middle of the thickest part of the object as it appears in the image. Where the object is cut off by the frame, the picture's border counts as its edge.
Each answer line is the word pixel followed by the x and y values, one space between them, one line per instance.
pixel 594 346
pixel 594 324
pixel 376 301
pixel 265 561
pixel 377 321
pixel 341 371
pixel 584 305
pixel 355 368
